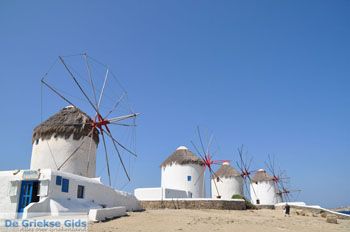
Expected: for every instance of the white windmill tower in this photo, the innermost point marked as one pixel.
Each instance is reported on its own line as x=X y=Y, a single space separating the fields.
x=68 y=133
x=229 y=182
x=182 y=170
x=264 y=188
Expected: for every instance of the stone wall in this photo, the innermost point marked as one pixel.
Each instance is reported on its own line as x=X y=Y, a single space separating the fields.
x=194 y=204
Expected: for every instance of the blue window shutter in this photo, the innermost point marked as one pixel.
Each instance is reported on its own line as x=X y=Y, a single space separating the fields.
x=189 y=178
x=65 y=185
x=58 y=180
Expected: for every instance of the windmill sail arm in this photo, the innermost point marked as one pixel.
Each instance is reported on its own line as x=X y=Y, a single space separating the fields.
x=121 y=118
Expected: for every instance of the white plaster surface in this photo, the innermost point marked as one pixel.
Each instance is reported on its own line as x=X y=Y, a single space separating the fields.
x=159 y=193
x=52 y=153
x=265 y=191
x=175 y=177
x=106 y=213
x=227 y=187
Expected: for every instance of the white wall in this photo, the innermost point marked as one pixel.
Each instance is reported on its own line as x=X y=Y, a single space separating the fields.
x=8 y=204
x=175 y=177
x=95 y=192
x=156 y=194
x=227 y=187
x=52 y=153
x=149 y=194
x=265 y=191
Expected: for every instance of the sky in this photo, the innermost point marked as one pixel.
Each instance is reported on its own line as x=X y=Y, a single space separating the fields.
x=272 y=75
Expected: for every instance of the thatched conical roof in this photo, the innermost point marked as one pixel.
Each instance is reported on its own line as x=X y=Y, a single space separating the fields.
x=261 y=175
x=182 y=156
x=67 y=122
x=226 y=171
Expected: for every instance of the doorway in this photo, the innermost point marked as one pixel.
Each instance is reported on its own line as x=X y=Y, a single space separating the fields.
x=29 y=194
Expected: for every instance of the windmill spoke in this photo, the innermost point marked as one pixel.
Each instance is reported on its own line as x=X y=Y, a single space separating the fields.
x=109 y=134
x=91 y=81
x=121 y=118
x=116 y=105
x=250 y=180
x=79 y=86
x=200 y=139
x=57 y=93
x=89 y=153
x=120 y=159
x=209 y=144
x=74 y=152
x=214 y=175
x=201 y=175
x=123 y=124
x=103 y=88
x=107 y=159
x=199 y=153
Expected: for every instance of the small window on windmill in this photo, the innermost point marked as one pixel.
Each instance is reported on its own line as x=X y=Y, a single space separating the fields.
x=189 y=178
x=217 y=179
x=36 y=141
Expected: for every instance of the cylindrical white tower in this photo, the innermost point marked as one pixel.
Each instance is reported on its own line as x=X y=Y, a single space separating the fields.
x=263 y=190
x=228 y=182
x=184 y=171
x=67 y=142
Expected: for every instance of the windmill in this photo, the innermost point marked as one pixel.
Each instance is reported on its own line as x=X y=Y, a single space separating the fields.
x=102 y=98
x=205 y=154
x=280 y=179
x=244 y=166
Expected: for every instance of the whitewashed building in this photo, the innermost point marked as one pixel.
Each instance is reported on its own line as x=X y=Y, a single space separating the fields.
x=226 y=182
x=181 y=177
x=62 y=175
x=263 y=190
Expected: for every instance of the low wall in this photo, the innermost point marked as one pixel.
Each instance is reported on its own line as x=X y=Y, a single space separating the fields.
x=317 y=210
x=195 y=204
x=265 y=206
x=158 y=194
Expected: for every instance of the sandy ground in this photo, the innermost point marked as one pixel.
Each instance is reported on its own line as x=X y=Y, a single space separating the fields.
x=218 y=220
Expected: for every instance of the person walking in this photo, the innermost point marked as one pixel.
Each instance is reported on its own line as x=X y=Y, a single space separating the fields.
x=287 y=210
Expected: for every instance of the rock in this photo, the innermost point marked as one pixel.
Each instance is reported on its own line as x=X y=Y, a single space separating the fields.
x=300 y=212
x=324 y=215
x=332 y=219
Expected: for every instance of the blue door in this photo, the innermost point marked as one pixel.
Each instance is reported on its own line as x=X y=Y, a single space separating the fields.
x=27 y=194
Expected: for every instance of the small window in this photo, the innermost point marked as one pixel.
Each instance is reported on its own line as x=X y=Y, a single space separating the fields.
x=59 y=180
x=217 y=179
x=81 y=190
x=65 y=185
x=36 y=142
x=189 y=178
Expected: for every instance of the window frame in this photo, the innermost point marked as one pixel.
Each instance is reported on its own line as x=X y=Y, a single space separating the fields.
x=81 y=193
x=65 y=185
x=59 y=180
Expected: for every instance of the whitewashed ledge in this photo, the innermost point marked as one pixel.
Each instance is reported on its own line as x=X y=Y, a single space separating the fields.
x=97 y=215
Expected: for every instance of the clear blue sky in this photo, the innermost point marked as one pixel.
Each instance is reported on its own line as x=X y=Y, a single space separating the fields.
x=273 y=75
